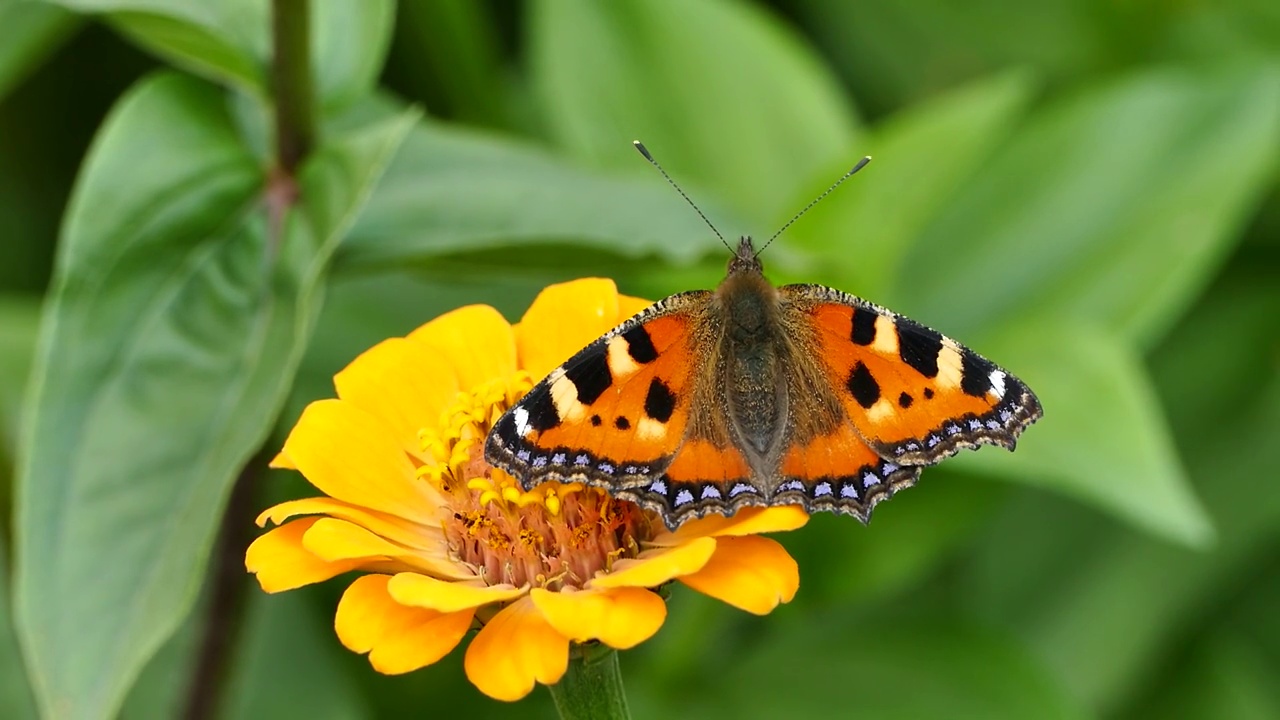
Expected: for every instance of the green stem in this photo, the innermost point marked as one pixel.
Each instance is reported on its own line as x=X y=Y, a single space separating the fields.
x=591 y=688
x=291 y=83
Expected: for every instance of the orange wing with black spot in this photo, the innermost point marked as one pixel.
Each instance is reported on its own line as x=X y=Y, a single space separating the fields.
x=615 y=414
x=914 y=395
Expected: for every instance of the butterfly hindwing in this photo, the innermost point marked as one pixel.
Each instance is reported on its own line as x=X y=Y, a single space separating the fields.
x=839 y=472
x=914 y=395
x=704 y=478
x=614 y=415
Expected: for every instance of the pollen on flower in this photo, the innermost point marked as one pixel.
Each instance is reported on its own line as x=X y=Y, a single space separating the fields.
x=555 y=535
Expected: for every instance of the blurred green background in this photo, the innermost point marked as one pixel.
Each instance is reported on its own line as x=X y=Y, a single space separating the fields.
x=1084 y=190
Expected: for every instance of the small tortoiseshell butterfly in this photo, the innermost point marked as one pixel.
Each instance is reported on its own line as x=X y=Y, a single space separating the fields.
x=752 y=394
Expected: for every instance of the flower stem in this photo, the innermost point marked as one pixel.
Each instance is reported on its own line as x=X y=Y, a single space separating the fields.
x=291 y=85
x=592 y=686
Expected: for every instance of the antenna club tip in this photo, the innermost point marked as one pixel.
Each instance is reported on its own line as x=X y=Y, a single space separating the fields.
x=643 y=150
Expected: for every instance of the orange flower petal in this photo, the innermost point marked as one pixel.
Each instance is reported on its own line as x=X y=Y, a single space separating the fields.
x=620 y=617
x=398 y=638
x=515 y=649
x=281 y=563
x=333 y=540
x=427 y=592
x=752 y=573
x=562 y=320
x=476 y=341
x=747 y=521
x=349 y=455
x=654 y=567
x=401 y=383
x=628 y=306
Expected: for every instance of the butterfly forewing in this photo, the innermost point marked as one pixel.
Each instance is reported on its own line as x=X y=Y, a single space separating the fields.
x=914 y=395
x=609 y=416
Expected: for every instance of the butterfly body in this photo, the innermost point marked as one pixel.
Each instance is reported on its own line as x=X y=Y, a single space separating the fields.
x=753 y=394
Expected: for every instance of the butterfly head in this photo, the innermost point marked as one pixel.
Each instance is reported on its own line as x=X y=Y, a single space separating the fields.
x=745 y=260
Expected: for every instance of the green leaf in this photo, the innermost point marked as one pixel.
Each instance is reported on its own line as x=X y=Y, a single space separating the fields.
x=922 y=157
x=1072 y=585
x=228 y=41
x=19 y=320
x=1103 y=437
x=452 y=190
x=881 y=670
x=722 y=93
x=29 y=33
x=16 y=702
x=182 y=303
x=1116 y=206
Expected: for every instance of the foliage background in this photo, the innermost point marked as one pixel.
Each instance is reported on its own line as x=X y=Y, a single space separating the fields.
x=1084 y=190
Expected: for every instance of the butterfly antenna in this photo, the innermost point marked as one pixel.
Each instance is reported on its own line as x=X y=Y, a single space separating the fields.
x=645 y=152
x=861 y=164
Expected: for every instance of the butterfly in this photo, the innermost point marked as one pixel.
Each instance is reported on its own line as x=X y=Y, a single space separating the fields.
x=751 y=395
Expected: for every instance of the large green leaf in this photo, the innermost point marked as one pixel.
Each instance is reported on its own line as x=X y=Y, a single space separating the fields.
x=229 y=40
x=19 y=318
x=452 y=190
x=16 y=702
x=1103 y=438
x=858 y=235
x=1101 y=604
x=720 y=92
x=183 y=299
x=1116 y=206
x=29 y=32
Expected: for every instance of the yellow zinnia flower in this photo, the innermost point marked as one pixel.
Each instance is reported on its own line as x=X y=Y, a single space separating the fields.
x=448 y=543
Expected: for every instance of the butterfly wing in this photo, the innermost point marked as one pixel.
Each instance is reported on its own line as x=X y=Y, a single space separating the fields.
x=914 y=395
x=615 y=414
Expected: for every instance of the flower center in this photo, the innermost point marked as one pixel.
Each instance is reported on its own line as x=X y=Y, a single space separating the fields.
x=556 y=535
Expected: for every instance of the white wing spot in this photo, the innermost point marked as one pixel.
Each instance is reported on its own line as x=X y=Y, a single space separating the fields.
x=684 y=497
x=997 y=383
x=710 y=491
x=823 y=488
x=659 y=487
x=521 y=416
